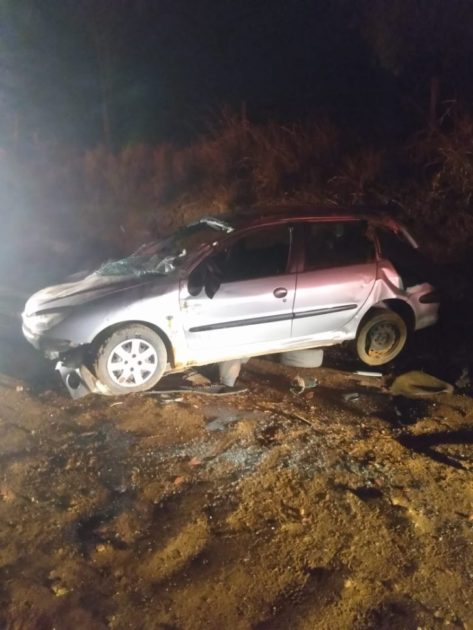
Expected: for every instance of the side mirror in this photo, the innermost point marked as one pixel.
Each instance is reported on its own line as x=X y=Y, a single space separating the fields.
x=195 y=282
x=208 y=276
x=213 y=277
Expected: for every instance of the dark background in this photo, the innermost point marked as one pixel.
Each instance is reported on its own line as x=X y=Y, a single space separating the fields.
x=125 y=71
x=123 y=119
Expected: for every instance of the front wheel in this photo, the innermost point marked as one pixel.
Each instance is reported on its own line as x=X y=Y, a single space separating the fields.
x=381 y=337
x=131 y=359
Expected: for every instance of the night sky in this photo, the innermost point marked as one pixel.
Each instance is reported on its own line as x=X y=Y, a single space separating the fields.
x=167 y=68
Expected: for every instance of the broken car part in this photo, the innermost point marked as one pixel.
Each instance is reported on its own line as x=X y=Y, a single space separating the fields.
x=351 y=396
x=312 y=358
x=229 y=371
x=299 y=384
x=372 y=374
x=418 y=384
x=79 y=380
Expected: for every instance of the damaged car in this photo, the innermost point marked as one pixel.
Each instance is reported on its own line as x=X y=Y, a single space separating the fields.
x=216 y=291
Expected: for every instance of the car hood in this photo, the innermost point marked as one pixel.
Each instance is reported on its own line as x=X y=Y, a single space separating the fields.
x=88 y=289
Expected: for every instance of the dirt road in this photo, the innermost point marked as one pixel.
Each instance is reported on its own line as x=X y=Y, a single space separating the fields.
x=261 y=510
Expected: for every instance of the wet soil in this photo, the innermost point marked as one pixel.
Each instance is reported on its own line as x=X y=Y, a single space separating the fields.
x=260 y=510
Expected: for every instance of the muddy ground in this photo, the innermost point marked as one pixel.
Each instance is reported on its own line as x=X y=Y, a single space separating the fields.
x=259 y=510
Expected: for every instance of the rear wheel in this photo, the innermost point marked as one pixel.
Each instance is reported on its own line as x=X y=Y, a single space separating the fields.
x=131 y=359
x=381 y=337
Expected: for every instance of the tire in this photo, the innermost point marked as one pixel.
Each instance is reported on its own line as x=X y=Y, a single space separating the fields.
x=131 y=359
x=381 y=337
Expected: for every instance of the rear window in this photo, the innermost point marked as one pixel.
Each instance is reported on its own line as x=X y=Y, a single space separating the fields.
x=337 y=244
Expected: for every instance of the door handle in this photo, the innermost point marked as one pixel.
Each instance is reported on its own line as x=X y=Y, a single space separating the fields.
x=280 y=292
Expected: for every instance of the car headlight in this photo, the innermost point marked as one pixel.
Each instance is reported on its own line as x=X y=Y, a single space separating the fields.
x=42 y=321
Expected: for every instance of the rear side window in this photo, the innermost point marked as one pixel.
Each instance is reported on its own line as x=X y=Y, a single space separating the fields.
x=337 y=244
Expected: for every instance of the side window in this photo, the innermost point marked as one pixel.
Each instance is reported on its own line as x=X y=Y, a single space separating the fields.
x=337 y=244
x=260 y=254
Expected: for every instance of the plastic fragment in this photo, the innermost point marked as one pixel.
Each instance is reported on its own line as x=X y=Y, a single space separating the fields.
x=374 y=374
x=299 y=384
x=418 y=384
x=464 y=380
x=349 y=396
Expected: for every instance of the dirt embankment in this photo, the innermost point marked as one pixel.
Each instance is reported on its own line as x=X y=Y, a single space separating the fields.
x=262 y=510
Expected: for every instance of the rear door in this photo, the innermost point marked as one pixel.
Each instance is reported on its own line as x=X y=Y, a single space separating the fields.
x=245 y=305
x=338 y=272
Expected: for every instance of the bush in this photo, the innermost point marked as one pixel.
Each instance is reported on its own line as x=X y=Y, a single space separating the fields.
x=110 y=202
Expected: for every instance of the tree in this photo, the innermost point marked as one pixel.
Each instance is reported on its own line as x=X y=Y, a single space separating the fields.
x=106 y=22
x=423 y=41
x=44 y=71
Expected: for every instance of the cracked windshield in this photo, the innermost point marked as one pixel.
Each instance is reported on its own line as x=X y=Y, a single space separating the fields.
x=162 y=257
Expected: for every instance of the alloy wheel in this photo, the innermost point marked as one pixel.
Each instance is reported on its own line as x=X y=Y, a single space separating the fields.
x=132 y=362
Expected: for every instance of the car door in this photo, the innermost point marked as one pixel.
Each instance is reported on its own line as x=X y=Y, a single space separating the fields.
x=338 y=274
x=239 y=300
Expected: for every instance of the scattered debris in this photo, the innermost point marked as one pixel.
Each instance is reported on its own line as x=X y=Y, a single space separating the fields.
x=221 y=417
x=196 y=379
x=219 y=423
x=418 y=384
x=409 y=411
x=216 y=389
x=464 y=380
x=373 y=374
x=297 y=416
x=79 y=380
x=59 y=590
x=290 y=415
x=195 y=461
x=229 y=371
x=299 y=384
x=166 y=399
x=351 y=396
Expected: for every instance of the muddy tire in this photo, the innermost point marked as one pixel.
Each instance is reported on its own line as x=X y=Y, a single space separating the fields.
x=131 y=359
x=381 y=336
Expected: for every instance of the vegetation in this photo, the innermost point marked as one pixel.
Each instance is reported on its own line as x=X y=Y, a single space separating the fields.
x=121 y=198
x=102 y=106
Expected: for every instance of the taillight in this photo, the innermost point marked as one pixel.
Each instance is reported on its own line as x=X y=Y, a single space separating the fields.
x=432 y=297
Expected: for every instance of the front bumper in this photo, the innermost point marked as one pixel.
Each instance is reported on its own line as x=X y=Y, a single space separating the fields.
x=50 y=347
x=78 y=379
x=31 y=337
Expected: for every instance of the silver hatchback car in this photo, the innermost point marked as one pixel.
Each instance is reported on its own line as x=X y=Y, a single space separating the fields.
x=216 y=291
